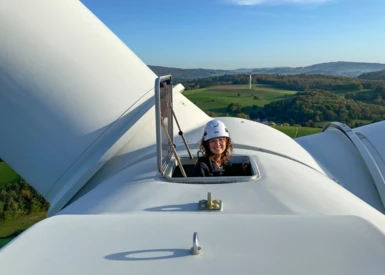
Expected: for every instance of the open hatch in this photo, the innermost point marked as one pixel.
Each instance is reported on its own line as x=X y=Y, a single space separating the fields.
x=172 y=166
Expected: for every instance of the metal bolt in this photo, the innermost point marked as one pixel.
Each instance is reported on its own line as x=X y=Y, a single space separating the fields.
x=209 y=198
x=196 y=249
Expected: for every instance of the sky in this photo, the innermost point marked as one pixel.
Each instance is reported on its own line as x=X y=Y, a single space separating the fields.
x=233 y=34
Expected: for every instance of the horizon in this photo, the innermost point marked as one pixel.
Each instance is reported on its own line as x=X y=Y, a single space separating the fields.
x=253 y=68
x=231 y=34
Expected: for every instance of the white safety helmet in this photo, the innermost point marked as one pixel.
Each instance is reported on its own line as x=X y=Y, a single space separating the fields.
x=215 y=128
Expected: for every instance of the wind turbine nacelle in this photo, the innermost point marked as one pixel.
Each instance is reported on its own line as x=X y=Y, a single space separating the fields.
x=352 y=157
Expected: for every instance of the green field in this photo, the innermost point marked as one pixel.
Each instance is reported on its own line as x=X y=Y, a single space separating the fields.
x=216 y=99
x=296 y=132
x=19 y=224
x=10 y=228
x=362 y=121
x=4 y=241
x=7 y=175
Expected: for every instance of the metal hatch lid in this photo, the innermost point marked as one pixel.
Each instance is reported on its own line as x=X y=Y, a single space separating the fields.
x=164 y=121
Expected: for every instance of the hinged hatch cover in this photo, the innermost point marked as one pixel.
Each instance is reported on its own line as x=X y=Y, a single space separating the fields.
x=164 y=120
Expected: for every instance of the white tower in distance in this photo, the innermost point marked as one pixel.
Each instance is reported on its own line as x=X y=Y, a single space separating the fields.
x=250 y=81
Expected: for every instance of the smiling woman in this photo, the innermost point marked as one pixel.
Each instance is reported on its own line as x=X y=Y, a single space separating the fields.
x=217 y=148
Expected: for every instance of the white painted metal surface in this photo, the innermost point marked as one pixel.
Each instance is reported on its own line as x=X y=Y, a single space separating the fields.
x=341 y=151
x=376 y=172
x=375 y=133
x=372 y=138
x=126 y=218
x=251 y=244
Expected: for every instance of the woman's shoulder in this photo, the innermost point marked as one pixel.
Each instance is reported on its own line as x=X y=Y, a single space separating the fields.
x=202 y=161
x=201 y=168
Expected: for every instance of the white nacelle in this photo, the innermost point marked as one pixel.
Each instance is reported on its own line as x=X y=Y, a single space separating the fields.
x=353 y=157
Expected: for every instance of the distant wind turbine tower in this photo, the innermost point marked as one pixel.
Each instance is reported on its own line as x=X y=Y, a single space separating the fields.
x=250 y=81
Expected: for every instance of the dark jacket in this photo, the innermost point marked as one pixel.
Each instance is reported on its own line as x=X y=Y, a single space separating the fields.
x=207 y=168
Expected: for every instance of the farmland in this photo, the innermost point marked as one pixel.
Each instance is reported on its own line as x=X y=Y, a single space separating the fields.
x=296 y=132
x=216 y=99
x=10 y=228
x=7 y=174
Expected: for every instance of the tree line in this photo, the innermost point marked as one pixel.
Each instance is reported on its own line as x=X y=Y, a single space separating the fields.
x=20 y=199
x=302 y=82
x=374 y=96
x=310 y=107
x=377 y=75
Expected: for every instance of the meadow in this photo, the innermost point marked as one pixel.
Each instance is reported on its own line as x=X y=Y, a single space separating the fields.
x=4 y=241
x=7 y=174
x=10 y=228
x=295 y=132
x=216 y=99
x=361 y=121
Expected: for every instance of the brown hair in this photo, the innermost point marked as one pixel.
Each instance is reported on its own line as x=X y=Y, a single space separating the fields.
x=205 y=148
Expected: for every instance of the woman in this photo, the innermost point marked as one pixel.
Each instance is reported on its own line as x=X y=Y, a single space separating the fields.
x=217 y=148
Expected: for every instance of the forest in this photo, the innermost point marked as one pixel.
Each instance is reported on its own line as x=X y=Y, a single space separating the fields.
x=377 y=75
x=319 y=98
x=307 y=108
x=302 y=82
x=20 y=199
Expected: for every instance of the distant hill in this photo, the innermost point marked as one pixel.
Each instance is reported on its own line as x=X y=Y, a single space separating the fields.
x=378 y=75
x=351 y=69
x=340 y=68
x=187 y=74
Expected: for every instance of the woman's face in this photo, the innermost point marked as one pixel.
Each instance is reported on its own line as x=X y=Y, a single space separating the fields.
x=218 y=145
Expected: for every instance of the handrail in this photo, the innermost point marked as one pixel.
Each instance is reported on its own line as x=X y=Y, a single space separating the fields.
x=181 y=133
x=174 y=151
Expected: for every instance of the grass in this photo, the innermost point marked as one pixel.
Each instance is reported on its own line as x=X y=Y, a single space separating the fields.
x=19 y=224
x=216 y=99
x=295 y=132
x=5 y=241
x=7 y=175
x=362 y=121
x=305 y=131
x=321 y=123
x=288 y=130
x=11 y=228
